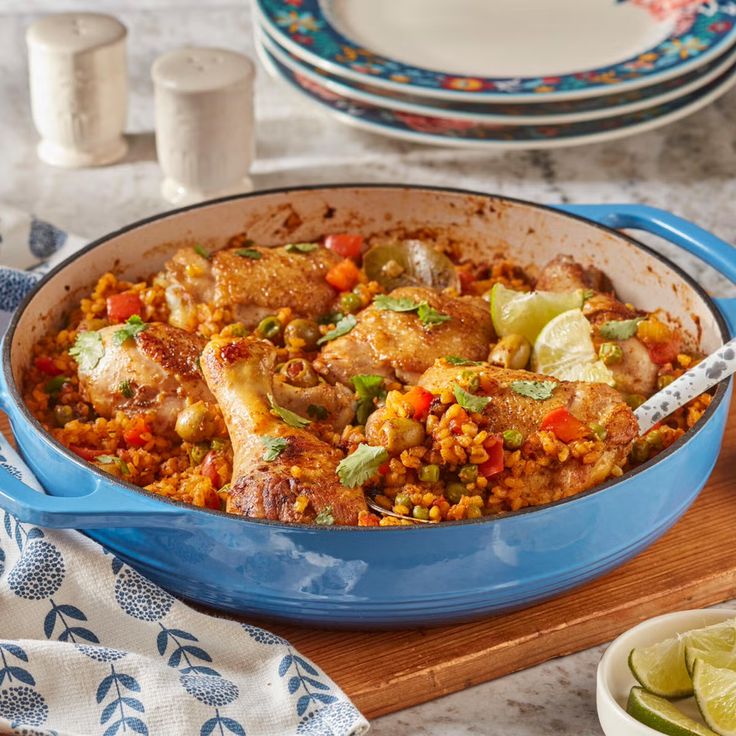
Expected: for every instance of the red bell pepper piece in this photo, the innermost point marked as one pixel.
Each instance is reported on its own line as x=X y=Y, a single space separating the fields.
x=133 y=435
x=343 y=276
x=121 y=307
x=420 y=400
x=86 y=453
x=494 y=447
x=208 y=469
x=345 y=244
x=565 y=426
x=46 y=365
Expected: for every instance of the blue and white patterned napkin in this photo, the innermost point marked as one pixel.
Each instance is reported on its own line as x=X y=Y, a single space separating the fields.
x=89 y=646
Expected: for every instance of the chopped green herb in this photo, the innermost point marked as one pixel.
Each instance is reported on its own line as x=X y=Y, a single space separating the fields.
x=131 y=328
x=455 y=360
x=200 y=250
x=470 y=402
x=588 y=294
x=539 y=390
x=114 y=460
x=274 y=447
x=87 y=350
x=430 y=316
x=249 y=253
x=362 y=465
x=619 y=329
x=293 y=420
x=126 y=389
x=368 y=388
x=53 y=386
x=325 y=517
x=341 y=328
x=404 y=304
x=315 y=411
x=301 y=247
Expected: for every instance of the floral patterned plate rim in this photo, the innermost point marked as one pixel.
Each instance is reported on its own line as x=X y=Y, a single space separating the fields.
x=509 y=113
x=699 y=31
x=462 y=133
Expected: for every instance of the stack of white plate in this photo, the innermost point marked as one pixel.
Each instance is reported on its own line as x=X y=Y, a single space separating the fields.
x=502 y=73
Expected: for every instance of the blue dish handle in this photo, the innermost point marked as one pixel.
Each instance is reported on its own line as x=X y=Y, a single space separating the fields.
x=687 y=235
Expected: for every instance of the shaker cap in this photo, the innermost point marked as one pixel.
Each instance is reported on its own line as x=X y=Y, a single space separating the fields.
x=192 y=70
x=75 y=32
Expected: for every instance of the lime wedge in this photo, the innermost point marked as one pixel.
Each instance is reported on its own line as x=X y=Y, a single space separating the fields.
x=526 y=313
x=724 y=657
x=661 y=669
x=661 y=715
x=564 y=349
x=715 y=694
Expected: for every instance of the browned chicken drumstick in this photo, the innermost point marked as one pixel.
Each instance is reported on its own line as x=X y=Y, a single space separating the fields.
x=280 y=471
x=253 y=282
x=399 y=344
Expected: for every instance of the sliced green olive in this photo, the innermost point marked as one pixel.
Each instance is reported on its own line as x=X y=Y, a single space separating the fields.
x=410 y=263
x=299 y=372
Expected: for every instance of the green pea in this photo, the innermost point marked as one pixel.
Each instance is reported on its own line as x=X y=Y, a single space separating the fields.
x=513 y=439
x=468 y=473
x=239 y=330
x=665 y=380
x=350 y=303
x=419 y=512
x=654 y=439
x=610 y=353
x=269 y=328
x=63 y=414
x=599 y=431
x=455 y=491
x=429 y=473
x=403 y=499
x=640 y=451
x=634 y=400
x=218 y=444
x=198 y=452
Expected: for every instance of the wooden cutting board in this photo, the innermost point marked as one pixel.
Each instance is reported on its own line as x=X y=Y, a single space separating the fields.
x=692 y=566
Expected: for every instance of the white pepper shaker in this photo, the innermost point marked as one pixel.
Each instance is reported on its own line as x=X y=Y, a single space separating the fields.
x=79 y=88
x=204 y=123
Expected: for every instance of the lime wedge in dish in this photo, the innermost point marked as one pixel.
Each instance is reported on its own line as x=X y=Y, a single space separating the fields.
x=661 y=715
x=564 y=349
x=527 y=312
x=715 y=694
x=660 y=668
x=724 y=658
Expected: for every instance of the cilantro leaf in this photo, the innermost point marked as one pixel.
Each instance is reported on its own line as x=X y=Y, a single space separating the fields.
x=468 y=401
x=293 y=420
x=301 y=247
x=619 y=329
x=430 y=316
x=87 y=350
x=368 y=388
x=126 y=389
x=114 y=460
x=317 y=411
x=341 y=328
x=249 y=253
x=362 y=465
x=456 y=360
x=403 y=304
x=131 y=328
x=325 y=517
x=539 y=390
x=200 y=250
x=274 y=447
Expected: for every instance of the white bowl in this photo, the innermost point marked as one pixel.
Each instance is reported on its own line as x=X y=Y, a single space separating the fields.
x=614 y=679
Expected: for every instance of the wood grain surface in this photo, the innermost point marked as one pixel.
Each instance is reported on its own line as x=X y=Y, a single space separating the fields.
x=693 y=565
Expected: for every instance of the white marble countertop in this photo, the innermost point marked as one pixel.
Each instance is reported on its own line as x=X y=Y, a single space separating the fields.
x=688 y=167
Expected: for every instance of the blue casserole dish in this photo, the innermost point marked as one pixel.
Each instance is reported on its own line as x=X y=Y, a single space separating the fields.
x=378 y=577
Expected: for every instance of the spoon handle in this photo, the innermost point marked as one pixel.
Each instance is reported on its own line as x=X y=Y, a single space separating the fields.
x=716 y=367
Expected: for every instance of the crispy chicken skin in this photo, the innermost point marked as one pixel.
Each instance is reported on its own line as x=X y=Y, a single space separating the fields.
x=252 y=287
x=160 y=366
x=239 y=374
x=636 y=373
x=588 y=402
x=398 y=345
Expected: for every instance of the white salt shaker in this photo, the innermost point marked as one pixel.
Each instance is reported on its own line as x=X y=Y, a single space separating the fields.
x=204 y=123
x=79 y=88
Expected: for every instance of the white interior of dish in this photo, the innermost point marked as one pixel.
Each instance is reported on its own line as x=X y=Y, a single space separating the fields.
x=500 y=38
x=484 y=226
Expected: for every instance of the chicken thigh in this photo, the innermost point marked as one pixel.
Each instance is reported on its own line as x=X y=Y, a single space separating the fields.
x=297 y=481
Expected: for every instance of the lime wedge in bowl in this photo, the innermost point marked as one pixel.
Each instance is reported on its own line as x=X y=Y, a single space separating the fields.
x=724 y=657
x=660 y=668
x=526 y=313
x=661 y=715
x=564 y=349
x=715 y=694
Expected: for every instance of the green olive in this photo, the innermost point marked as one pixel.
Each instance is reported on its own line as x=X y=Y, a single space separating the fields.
x=512 y=351
x=193 y=423
x=419 y=512
x=299 y=372
x=395 y=434
x=269 y=328
x=303 y=330
x=410 y=263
